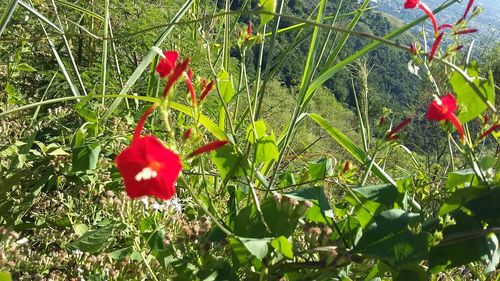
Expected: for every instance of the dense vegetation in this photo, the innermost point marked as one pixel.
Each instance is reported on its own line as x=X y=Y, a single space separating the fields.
x=323 y=141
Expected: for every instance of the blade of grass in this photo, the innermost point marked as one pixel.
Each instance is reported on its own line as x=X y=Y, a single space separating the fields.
x=7 y=15
x=352 y=148
x=34 y=11
x=73 y=88
x=79 y=9
x=306 y=78
x=68 y=48
x=148 y=57
x=104 y=65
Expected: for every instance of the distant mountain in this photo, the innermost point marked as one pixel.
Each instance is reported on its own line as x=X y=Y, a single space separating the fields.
x=488 y=22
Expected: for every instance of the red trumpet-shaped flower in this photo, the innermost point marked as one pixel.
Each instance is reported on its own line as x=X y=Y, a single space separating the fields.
x=147 y=166
x=412 y=4
x=167 y=63
x=444 y=109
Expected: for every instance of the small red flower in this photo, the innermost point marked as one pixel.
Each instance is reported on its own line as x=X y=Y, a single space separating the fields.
x=435 y=46
x=209 y=147
x=412 y=4
x=147 y=166
x=167 y=63
x=392 y=134
x=444 y=109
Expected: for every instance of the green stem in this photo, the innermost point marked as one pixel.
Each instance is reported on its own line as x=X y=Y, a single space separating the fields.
x=153 y=275
x=204 y=208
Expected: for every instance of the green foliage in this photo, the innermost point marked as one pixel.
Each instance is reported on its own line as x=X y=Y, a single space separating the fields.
x=310 y=185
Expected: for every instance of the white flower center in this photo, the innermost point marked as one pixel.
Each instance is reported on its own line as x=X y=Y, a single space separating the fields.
x=438 y=100
x=146 y=174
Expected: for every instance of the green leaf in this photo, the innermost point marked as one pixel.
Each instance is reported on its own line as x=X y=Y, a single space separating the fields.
x=121 y=253
x=458 y=178
x=92 y=241
x=85 y=157
x=493 y=257
x=471 y=104
x=226 y=86
x=260 y=129
x=248 y=223
x=388 y=237
x=227 y=162
x=25 y=67
x=320 y=212
x=352 y=148
x=463 y=251
x=320 y=169
x=282 y=245
x=88 y=115
x=267 y=6
x=486 y=206
x=411 y=273
x=80 y=229
x=266 y=149
x=385 y=193
x=256 y=247
x=5 y=276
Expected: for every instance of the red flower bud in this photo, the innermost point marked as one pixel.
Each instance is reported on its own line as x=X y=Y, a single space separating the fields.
x=249 y=31
x=179 y=69
x=435 y=46
x=465 y=31
x=187 y=133
x=489 y=131
x=206 y=90
x=347 y=166
x=209 y=147
x=392 y=134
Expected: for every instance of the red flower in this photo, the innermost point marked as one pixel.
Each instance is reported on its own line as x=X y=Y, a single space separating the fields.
x=147 y=166
x=209 y=147
x=444 y=109
x=412 y=4
x=435 y=46
x=392 y=134
x=167 y=63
